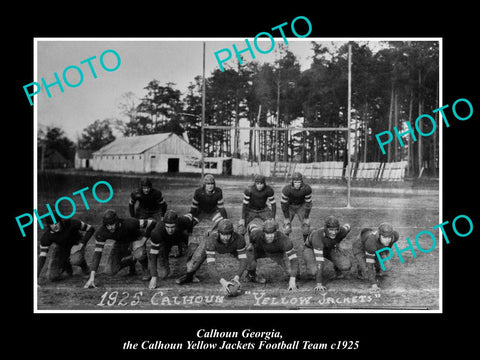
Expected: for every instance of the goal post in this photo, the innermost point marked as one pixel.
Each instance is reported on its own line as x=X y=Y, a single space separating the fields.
x=258 y=130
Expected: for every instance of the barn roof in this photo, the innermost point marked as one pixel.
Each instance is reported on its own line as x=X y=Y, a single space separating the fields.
x=133 y=145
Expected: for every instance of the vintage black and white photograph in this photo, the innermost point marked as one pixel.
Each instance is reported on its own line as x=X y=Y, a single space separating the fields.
x=267 y=174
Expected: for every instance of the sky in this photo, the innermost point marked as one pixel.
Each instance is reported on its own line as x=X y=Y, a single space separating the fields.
x=176 y=60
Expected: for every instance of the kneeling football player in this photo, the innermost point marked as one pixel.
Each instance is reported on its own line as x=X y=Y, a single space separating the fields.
x=223 y=240
x=365 y=247
x=174 y=230
x=268 y=241
x=68 y=247
x=130 y=237
x=325 y=244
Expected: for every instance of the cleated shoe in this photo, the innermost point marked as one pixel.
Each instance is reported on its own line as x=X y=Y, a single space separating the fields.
x=184 y=279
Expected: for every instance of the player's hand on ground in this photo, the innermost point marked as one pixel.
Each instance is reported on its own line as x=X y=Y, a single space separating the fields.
x=320 y=288
x=236 y=279
x=225 y=285
x=153 y=283
x=292 y=285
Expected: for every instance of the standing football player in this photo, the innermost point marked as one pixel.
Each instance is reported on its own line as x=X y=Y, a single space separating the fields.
x=130 y=237
x=151 y=204
x=365 y=247
x=174 y=230
x=325 y=244
x=267 y=241
x=296 y=200
x=258 y=203
x=223 y=240
x=207 y=202
x=68 y=247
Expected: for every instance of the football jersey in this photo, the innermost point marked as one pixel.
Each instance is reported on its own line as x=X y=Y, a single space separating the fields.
x=127 y=230
x=206 y=202
x=280 y=244
x=293 y=196
x=258 y=199
x=236 y=244
x=370 y=241
x=183 y=228
x=320 y=242
x=68 y=235
x=153 y=201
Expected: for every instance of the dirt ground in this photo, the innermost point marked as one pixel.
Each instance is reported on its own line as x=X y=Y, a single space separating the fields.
x=412 y=285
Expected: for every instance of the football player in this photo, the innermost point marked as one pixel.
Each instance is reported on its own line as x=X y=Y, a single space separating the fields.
x=364 y=249
x=68 y=247
x=296 y=199
x=267 y=241
x=130 y=237
x=223 y=240
x=151 y=204
x=258 y=202
x=174 y=230
x=325 y=244
x=207 y=202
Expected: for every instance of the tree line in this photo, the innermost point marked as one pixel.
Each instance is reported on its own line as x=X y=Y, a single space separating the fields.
x=391 y=85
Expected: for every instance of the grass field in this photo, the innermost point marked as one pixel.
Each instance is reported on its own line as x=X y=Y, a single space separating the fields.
x=410 y=207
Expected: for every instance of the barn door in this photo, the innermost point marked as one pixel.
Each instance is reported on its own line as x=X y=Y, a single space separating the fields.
x=154 y=164
x=173 y=164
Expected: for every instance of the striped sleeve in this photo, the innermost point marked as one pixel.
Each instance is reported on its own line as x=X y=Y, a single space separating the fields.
x=291 y=254
x=220 y=199
x=285 y=197
x=99 y=245
x=195 y=201
x=369 y=258
x=271 y=196
x=210 y=256
x=318 y=255
x=271 y=199
x=308 y=198
x=43 y=250
x=246 y=197
x=154 y=249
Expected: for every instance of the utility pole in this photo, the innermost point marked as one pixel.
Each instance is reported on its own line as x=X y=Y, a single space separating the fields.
x=203 y=115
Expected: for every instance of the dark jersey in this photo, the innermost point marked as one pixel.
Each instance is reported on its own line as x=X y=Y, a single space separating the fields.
x=183 y=228
x=149 y=203
x=236 y=245
x=128 y=230
x=370 y=243
x=322 y=245
x=68 y=235
x=258 y=200
x=292 y=196
x=206 y=202
x=280 y=244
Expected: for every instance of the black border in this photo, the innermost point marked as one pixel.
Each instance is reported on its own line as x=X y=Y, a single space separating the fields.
x=379 y=334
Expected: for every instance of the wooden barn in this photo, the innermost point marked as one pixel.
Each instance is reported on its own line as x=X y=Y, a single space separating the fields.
x=165 y=152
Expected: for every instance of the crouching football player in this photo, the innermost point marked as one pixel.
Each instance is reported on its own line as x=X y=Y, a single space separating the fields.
x=258 y=203
x=325 y=244
x=174 y=230
x=223 y=240
x=130 y=237
x=297 y=200
x=365 y=247
x=267 y=241
x=68 y=247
